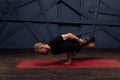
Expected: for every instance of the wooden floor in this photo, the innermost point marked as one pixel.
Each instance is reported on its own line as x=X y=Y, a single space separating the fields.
x=9 y=59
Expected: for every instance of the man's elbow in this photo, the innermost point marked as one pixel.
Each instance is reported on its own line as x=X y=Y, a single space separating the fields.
x=70 y=33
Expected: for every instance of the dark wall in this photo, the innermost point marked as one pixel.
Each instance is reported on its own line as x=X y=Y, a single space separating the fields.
x=24 y=22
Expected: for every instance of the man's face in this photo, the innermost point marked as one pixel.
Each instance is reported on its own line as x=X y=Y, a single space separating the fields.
x=42 y=50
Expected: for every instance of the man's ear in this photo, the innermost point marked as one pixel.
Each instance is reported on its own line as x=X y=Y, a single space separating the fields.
x=91 y=44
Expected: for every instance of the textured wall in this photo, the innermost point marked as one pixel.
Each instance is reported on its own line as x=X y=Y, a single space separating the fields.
x=24 y=22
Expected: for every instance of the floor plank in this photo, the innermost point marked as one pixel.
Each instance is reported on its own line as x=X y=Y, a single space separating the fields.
x=9 y=59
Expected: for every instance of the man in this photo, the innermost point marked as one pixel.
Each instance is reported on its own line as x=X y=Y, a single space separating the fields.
x=65 y=43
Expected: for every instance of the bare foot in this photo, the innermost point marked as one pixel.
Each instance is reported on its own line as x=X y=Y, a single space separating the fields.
x=67 y=63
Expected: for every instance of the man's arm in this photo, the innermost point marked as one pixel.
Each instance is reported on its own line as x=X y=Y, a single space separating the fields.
x=71 y=36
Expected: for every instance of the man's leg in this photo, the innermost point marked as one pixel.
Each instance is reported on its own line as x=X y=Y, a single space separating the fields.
x=73 y=53
x=69 y=59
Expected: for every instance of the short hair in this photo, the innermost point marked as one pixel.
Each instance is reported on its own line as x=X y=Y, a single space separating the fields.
x=38 y=44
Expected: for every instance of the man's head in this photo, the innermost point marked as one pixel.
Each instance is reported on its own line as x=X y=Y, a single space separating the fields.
x=41 y=48
x=88 y=41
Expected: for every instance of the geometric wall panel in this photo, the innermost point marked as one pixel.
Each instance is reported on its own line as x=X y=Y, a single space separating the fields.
x=24 y=22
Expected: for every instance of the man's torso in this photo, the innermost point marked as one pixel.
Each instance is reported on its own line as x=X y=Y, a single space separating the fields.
x=58 y=45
